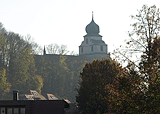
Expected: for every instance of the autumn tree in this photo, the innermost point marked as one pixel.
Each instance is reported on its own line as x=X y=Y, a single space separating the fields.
x=35 y=48
x=17 y=62
x=58 y=49
x=2 y=51
x=127 y=92
x=3 y=46
x=136 y=90
x=24 y=73
x=146 y=26
x=4 y=85
x=95 y=76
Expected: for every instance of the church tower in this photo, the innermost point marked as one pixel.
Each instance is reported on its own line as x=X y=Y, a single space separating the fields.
x=93 y=47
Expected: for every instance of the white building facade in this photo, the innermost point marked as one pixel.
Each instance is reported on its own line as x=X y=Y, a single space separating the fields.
x=93 y=47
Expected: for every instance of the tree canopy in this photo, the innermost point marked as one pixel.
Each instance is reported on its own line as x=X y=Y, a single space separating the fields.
x=92 y=93
x=17 y=67
x=136 y=90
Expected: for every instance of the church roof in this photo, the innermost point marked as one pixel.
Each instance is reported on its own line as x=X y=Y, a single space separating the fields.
x=92 y=29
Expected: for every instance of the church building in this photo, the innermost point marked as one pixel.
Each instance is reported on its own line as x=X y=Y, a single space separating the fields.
x=93 y=47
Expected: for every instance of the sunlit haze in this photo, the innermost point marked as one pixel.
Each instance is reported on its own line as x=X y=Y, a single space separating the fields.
x=64 y=21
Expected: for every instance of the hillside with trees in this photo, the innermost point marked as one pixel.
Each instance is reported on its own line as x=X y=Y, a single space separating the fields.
x=17 y=68
x=60 y=74
x=24 y=69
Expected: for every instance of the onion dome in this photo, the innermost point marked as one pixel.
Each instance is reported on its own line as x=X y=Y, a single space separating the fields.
x=92 y=29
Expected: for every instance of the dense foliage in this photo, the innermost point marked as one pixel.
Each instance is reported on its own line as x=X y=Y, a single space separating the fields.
x=136 y=90
x=92 y=95
x=60 y=74
x=17 y=68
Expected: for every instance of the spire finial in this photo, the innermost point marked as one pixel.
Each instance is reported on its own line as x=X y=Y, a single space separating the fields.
x=92 y=15
x=44 y=51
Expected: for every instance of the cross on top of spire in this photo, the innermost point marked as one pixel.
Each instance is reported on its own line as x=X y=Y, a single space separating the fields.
x=92 y=15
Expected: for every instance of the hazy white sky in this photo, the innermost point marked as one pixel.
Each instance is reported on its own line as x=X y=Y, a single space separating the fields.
x=64 y=21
